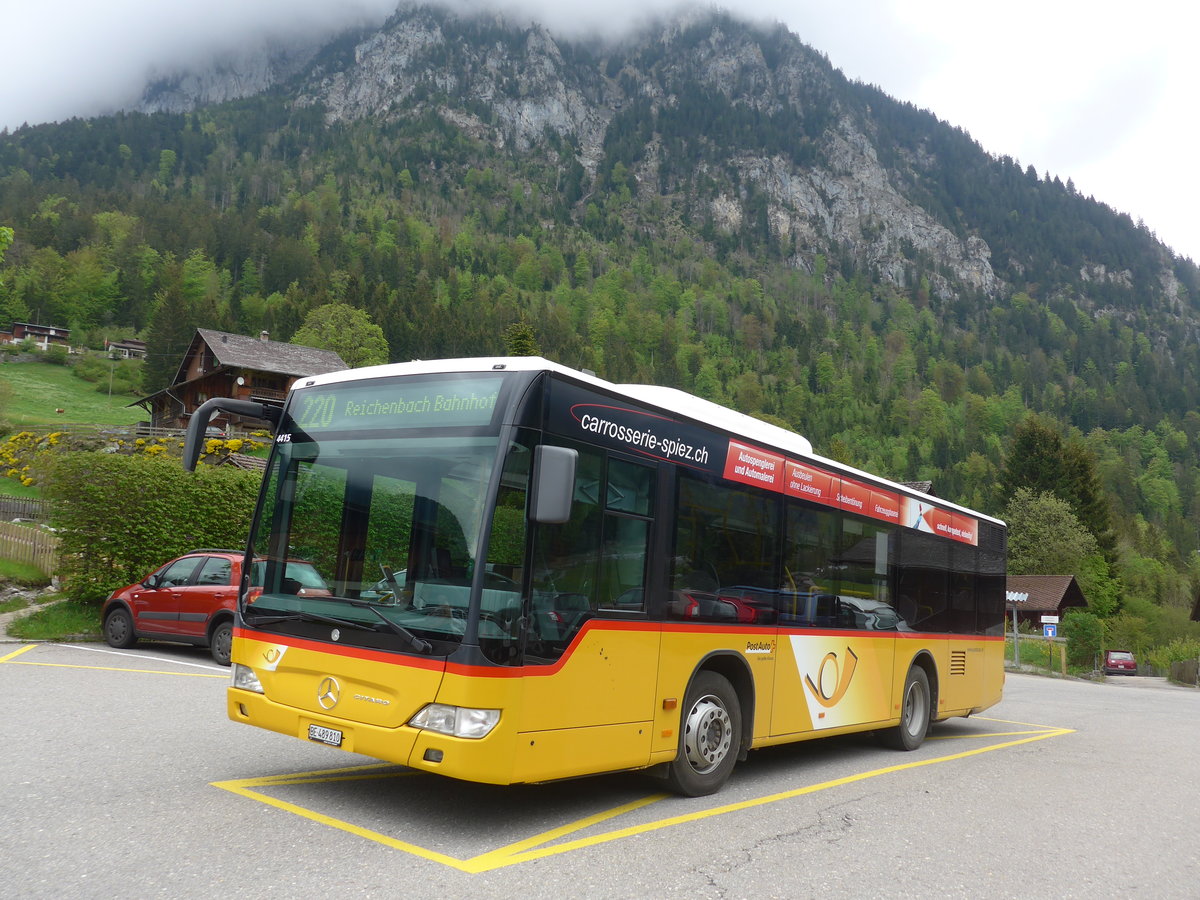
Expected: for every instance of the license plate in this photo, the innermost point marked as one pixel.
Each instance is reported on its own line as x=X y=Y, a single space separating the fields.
x=324 y=735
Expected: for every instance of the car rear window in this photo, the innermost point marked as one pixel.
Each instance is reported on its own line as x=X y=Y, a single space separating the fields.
x=1119 y=654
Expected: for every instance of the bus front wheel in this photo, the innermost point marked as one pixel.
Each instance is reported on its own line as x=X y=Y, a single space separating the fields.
x=710 y=731
x=915 y=713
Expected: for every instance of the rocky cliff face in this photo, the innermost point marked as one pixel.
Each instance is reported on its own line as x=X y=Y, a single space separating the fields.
x=514 y=86
x=231 y=76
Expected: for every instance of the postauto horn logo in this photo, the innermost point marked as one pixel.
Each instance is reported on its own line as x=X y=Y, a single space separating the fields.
x=833 y=678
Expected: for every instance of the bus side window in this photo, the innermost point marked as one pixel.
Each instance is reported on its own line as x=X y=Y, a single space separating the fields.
x=725 y=553
x=810 y=580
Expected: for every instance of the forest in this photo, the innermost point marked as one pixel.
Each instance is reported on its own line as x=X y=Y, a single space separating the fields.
x=247 y=216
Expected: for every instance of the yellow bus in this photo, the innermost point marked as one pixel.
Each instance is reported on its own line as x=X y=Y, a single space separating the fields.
x=533 y=574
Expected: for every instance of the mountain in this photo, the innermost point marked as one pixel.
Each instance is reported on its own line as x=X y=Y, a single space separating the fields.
x=706 y=204
x=829 y=164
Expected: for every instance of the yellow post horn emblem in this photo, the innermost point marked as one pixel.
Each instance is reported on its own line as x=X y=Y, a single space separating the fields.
x=842 y=676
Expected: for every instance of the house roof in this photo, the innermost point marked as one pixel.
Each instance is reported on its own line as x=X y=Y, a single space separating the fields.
x=1043 y=593
x=43 y=329
x=236 y=351
x=239 y=351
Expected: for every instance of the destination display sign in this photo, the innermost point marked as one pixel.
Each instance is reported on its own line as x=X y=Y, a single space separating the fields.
x=447 y=401
x=585 y=416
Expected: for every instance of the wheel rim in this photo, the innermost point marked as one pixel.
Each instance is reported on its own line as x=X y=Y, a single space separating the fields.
x=223 y=643
x=708 y=734
x=118 y=628
x=915 y=706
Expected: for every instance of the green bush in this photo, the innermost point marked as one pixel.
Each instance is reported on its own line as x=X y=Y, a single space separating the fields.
x=56 y=354
x=120 y=517
x=1085 y=635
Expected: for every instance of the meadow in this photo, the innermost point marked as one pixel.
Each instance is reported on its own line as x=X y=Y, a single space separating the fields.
x=33 y=392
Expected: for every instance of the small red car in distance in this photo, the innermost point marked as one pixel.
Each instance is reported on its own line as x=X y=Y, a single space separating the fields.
x=190 y=600
x=1119 y=662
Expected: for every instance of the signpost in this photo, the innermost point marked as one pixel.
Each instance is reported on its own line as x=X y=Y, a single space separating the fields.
x=1050 y=626
x=1049 y=631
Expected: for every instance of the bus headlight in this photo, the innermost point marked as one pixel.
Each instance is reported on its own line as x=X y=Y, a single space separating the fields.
x=243 y=677
x=457 y=721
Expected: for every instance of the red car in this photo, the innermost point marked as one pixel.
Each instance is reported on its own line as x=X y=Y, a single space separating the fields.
x=190 y=600
x=1119 y=662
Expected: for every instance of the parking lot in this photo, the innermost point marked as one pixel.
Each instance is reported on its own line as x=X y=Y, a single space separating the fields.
x=123 y=777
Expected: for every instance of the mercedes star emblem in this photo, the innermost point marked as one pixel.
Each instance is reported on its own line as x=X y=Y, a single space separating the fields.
x=328 y=692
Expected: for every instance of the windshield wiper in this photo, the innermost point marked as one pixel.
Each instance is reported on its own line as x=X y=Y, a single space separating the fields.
x=309 y=617
x=418 y=644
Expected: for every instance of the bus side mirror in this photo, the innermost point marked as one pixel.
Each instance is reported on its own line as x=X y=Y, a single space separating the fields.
x=198 y=424
x=553 y=484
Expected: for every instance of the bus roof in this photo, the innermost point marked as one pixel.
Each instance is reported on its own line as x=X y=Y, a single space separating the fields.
x=669 y=400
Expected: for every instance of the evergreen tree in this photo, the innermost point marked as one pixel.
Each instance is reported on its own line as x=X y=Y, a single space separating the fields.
x=172 y=326
x=519 y=340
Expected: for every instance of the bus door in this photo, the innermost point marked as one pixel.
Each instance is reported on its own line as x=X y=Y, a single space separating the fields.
x=590 y=655
x=838 y=625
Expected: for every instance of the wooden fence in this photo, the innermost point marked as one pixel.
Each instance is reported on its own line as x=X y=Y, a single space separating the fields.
x=24 y=508
x=1186 y=672
x=29 y=545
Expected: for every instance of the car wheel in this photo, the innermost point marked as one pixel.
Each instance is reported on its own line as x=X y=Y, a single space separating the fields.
x=915 y=713
x=710 y=730
x=118 y=629
x=221 y=645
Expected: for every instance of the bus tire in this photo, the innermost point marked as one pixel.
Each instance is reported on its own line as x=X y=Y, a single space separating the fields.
x=118 y=629
x=915 y=713
x=710 y=729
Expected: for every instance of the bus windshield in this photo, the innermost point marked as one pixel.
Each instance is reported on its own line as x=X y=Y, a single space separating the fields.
x=386 y=511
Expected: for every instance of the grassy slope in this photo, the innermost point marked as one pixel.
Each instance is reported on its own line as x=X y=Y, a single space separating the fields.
x=38 y=389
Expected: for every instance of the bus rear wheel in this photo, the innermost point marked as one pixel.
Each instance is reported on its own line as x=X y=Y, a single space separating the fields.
x=710 y=729
x=915 y=713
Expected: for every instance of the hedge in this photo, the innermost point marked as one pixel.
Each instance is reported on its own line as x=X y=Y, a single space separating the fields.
x=121 y=517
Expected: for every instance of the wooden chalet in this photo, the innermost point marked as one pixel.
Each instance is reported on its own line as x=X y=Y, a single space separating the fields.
x=126 y=349
x=45 y=336
x=1034 y=596
x=218 y=364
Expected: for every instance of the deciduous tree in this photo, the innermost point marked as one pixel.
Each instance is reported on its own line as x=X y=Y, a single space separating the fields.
x=347 y=331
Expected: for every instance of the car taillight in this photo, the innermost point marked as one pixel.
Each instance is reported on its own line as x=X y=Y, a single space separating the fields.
x=745 y=612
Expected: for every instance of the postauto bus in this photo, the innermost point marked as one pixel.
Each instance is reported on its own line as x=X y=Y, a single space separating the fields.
x=534 y=574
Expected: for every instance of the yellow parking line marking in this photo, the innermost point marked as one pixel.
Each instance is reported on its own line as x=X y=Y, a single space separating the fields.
x=330 y=776
x=11 y=659
x=535 y=846
x=22 y=662
x=17 y=652
x=1022 y=724
x=240 y=787
x=507 y=855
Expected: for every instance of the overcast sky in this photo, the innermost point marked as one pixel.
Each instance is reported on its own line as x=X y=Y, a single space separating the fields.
x=1098 y=92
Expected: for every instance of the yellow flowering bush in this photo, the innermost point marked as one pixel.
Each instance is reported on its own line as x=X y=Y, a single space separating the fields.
x=18 y=453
